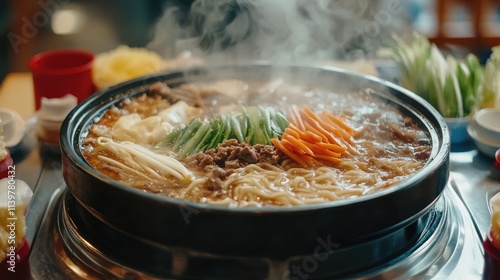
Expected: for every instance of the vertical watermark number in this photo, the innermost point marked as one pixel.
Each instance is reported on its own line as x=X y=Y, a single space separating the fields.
x=12 y=218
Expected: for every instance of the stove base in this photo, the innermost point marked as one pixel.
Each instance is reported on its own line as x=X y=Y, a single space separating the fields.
x=72 y=248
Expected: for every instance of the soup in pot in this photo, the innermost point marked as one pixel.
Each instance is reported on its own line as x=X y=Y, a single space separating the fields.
x=236 y=143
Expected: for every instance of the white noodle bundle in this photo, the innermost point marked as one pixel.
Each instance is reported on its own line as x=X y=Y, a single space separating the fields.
x=135 y=156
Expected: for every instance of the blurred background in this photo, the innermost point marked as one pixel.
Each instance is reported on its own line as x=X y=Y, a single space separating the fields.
x=28 y=27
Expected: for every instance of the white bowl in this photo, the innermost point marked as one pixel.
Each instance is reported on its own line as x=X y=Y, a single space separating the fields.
x=487 y=146
x=488 y=124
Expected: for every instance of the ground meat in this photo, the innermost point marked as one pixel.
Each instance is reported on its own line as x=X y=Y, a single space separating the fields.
x=174 y=95
x=215 y=177
x=199 y=160
x=213 y=184
x=232 y=155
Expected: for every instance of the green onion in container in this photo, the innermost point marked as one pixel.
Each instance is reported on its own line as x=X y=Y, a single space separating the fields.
x=456 y=88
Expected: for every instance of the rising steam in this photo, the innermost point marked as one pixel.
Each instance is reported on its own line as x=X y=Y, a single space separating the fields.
x=281 y=31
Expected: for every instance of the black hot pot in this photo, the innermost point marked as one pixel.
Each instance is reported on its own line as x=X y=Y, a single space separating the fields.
x=270 y=232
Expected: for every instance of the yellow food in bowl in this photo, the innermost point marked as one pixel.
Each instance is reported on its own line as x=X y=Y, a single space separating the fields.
x=124 y=63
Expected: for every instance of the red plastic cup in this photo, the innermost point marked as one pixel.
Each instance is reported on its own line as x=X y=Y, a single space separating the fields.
x=60 y=72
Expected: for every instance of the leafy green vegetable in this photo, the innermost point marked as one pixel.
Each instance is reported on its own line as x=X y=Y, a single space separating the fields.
x=187 y=134
x=205 y=140
x=236 y=128
x=256 y=120
x=194 y=141
x=454 y=87
x=255 y=125
x=171 y=137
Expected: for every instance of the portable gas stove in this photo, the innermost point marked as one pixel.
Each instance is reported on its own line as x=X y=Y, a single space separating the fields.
x=445 y=243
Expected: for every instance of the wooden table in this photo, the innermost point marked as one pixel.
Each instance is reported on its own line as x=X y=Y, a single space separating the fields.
x=16 y=93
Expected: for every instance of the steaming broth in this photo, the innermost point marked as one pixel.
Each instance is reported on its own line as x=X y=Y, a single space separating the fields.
x=386 y=147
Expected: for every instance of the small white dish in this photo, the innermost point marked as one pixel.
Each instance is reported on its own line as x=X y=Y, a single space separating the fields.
x=484 y=145
x=488 y=123
x=15 y=128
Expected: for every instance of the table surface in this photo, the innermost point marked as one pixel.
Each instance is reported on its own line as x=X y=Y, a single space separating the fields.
x=16 y=93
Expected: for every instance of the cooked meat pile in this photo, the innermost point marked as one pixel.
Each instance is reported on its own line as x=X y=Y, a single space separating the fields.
x=230 y=155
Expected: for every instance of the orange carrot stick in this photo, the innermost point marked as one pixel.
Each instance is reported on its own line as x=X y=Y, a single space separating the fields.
x=297 y=143
x=331 y=147
x=311 y=137
x=291 y=132
x=317 y=132
x=325 y=132
x=332 y=139
x=291 y=147
x=339 y=122
x=308 y=112
x=318 y=150
x=329 y=159
x=309 y=117
x=290 y=154
x=307 y=135
x=333 y=128
x=339 y=131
